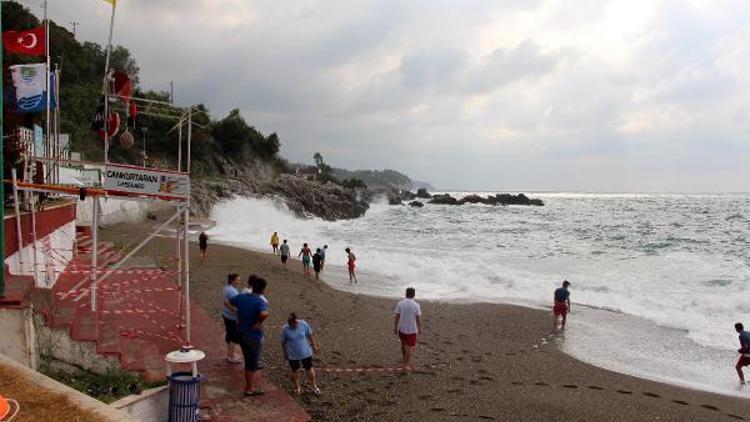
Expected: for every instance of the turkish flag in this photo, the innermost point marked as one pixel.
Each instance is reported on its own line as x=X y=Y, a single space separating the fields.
x=29 y=42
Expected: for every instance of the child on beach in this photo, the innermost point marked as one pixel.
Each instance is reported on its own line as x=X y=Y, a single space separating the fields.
x=350 y=258
x=317 y=261
x=284 y=250
x=296 y=338
x=562 y=304
x=744 y=351
x=231 y=289
x=275 y=242
x=407 y=324
x=306 y=254
x=203 y=244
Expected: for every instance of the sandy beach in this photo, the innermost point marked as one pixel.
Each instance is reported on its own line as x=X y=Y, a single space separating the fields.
x=473 y=362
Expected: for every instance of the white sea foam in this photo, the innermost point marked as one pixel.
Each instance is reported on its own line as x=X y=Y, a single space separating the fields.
x=679 y=261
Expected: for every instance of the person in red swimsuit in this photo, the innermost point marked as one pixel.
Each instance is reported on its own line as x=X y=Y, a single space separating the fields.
x=562 y=304
x=351 y=265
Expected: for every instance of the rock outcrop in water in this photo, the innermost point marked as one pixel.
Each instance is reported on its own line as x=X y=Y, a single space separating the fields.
x=306 y=198
x=499 y=199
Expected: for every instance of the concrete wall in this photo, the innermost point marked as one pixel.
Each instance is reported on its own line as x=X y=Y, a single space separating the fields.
x=53 y=253
x=17 y=340
x=149 y=406
x=103 y=412
x=114 y=211
x=58 y=345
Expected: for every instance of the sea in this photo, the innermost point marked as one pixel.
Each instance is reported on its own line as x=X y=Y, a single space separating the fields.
x=657 y=280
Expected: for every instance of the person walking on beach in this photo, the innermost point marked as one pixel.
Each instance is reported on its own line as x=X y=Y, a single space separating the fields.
x=252 y=310
x=744 y=350
x=350 y=258
x=323 y=255
x=296 y=340
x=284 y=250
x=407 y=324
x=306 y=254
x=203 y=244
x=562 y=304
x=275 y=242
x=317 y=261
x=231 y=289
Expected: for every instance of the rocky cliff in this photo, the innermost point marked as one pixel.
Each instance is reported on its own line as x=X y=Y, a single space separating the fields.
x=306 y=198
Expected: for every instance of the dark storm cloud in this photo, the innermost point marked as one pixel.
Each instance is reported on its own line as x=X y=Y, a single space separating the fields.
x=595 y=93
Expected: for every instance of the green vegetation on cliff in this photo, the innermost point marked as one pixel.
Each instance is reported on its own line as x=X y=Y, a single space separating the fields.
x=215 y=142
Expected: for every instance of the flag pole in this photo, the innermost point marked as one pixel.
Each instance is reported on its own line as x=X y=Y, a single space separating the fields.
x=49 y=87
x=106 y=82
x=2 y=185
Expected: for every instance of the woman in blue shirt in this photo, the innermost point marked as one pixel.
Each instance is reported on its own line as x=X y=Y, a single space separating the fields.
x=296 y=340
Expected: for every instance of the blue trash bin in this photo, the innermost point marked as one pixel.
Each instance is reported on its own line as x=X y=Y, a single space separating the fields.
x=184 y=396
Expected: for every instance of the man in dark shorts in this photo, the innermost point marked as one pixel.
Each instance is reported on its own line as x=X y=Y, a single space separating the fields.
x=284 y=250
x=744 y=350
x=407 y=324
x=252 y=310
x=229 y=315
x=203 y=244
x=317 y=261
x=562 y=304
x=296 y=338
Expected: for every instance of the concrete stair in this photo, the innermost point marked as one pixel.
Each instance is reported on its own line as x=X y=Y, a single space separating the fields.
x=118 y=327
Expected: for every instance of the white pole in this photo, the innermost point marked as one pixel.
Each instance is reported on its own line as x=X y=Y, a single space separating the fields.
x=189 y=138
x=94 y=250
x=179 y=145
x=33 y=239
x=106 y=85
x=178 y=233
x=19 y=234
x=186 y=261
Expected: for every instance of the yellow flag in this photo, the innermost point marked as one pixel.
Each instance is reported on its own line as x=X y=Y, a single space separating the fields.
x=112 y=2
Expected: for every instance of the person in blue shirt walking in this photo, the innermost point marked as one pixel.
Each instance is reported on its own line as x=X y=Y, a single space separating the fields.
x=252 y=310
x=296 y=338
x=231 y=289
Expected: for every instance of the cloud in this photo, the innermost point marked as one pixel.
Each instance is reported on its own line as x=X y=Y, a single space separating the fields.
x=481 y=94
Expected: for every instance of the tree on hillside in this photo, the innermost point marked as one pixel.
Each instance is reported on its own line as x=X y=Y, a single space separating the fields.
x=318 y=160
x=239 y=139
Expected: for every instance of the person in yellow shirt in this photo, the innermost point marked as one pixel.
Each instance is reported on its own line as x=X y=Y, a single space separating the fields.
x=275 y=242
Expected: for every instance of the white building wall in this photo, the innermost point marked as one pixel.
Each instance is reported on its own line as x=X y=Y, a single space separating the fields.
x=53 y=253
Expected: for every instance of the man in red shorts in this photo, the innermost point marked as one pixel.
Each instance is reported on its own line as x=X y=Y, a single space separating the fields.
x=562 y=304
x=744 y=350
x=407 y=324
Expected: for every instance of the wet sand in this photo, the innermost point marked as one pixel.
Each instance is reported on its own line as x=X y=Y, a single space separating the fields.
x=473 y=362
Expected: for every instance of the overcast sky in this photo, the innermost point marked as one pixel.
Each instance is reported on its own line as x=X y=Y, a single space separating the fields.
x=592 y=95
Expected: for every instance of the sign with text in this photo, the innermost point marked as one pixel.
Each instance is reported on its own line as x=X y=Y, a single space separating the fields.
x=146 y=181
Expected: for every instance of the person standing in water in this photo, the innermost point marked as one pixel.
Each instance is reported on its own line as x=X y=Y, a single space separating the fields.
x=296 y=338
x=284 y=250
x=306 y=254
x=744 y=351
x=323 y=256
x=562 y=304
x=317 y=261
x=407 y=324
x=275 y=242
x=350 y=258
x=203 y=244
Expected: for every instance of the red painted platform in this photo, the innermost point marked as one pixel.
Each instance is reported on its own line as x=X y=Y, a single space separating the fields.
x=138 y=321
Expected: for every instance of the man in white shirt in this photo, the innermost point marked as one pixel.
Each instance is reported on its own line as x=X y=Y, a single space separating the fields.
x=407 y=325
